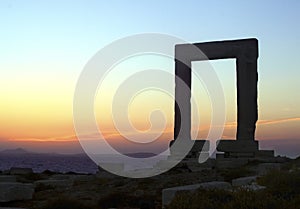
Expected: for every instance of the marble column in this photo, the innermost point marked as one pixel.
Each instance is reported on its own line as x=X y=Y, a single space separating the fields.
x=182 y=123
x=246 y=97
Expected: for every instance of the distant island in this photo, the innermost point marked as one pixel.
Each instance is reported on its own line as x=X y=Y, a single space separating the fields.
x=15 y=151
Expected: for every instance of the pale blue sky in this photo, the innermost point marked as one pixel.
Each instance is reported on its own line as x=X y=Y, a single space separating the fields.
x=67 y=26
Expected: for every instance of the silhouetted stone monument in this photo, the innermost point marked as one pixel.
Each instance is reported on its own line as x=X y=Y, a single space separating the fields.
x=245 y=52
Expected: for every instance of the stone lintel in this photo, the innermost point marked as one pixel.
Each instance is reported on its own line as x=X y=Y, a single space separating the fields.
x=218 y=50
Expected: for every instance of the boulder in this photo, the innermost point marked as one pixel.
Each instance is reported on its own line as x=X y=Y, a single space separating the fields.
x=7 y=178
x=222 y=162
x=54 y=183
x=169 y=193
x=11 y=208
x=59 y=177
x=83 y=178
x=5 y=172
x=73 y=177
x=244 y=181
x=105 y=175
x=20 y=171
x=195 y=166
x=15 y=191
x=253 y=187
x=216 y=185
x=264 y=168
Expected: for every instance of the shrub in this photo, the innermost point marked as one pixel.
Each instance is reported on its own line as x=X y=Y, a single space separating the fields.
x=117 y=199
x=125 y=200
x=283 y=191
x=66 y=203
x=283 y=184
x=220 y=199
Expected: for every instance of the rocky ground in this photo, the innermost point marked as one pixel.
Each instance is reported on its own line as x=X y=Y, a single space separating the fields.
x=24 y=189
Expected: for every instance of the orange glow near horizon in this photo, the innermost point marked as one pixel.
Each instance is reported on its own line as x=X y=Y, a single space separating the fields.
x=33 y=110
x=266 y=130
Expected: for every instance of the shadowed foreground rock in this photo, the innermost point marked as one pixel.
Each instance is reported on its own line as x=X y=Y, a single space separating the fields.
x=7 y=178
x=20 y=171
x=169 y=193
x=15 y=191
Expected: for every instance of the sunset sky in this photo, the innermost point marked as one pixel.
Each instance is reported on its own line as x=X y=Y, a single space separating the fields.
x=44 y=46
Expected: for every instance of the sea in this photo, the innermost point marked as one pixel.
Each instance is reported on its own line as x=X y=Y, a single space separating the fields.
x=76 y=163
x=79 y=163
